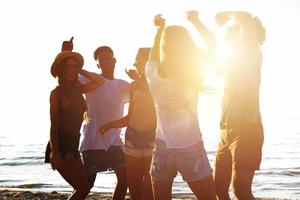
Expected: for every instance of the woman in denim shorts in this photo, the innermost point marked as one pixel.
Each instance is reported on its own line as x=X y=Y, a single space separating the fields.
x=140 y=132
x=174 y=77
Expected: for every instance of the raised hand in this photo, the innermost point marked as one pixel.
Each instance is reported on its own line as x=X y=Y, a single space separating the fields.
x=159 y=21
x=192 y=15
x=67 y=45
x=222 y=17
x=133 y=74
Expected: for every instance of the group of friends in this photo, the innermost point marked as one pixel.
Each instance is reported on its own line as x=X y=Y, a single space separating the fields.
x=162 y=134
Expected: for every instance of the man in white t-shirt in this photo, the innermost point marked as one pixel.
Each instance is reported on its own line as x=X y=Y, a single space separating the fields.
x=102 y=152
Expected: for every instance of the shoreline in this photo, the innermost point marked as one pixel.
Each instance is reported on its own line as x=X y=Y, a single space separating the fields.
x=24 y=194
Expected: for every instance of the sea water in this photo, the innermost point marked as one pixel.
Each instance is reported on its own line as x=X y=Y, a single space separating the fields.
x=22 y=157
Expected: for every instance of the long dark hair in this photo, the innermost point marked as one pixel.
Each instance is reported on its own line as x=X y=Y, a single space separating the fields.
x=62 y=81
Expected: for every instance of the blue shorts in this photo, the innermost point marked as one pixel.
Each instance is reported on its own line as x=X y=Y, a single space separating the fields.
x=139 y=144
x=192 y=162
x=103 y=160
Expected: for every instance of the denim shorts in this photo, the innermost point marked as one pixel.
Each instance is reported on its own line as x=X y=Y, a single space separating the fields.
x=103 y=160
x=139 y=144
x=192 y=162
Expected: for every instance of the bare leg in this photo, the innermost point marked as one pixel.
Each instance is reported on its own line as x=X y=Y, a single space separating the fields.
x=204 y=188
x=222 y=183
x=162 y=190
x=73 y=172
x=121 y=187
x=134 y=171
x=242 y=182
x=147 y=190
x=222 y=175
x=91 y=178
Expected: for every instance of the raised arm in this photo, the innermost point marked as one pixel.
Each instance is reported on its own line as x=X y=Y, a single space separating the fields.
x=159 y=22
x=95 y=79
x=208 y=36
x=251 y=27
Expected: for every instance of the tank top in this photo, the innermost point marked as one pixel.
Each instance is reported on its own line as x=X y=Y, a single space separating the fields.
x=70 y=118
x=143 y=116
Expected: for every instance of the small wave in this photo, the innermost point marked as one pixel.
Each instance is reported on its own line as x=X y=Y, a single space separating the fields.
x=29 y=158
x=7 y=145
x=291 y=173
x=23 y=160
x=27 y=186
x=8 y=180
x=12 y=164
x=35 y=185
x=280 y=172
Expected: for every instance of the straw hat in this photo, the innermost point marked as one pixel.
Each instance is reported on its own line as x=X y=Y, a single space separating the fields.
x=61 y=56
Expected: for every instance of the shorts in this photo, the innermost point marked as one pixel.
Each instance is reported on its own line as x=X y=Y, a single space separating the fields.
x=240 y=147
x=192 y=162
x=103 y=160
x=64 y=152
x=139 y=144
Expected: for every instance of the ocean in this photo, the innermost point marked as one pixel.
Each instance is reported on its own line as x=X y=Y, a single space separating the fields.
x=22 y=157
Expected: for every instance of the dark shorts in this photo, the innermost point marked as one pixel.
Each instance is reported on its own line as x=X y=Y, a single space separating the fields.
x=63 y=151
x=103 y=160
x=139 y=144
x=241 y=147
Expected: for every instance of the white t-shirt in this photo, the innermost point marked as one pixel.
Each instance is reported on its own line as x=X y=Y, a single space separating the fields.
x=105 y=104
x=176 y=109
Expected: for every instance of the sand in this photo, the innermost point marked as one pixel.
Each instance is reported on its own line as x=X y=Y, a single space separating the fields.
x=7 y=194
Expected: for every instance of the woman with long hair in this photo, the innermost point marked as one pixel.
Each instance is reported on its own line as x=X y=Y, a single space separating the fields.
x=174 y=74
x=140 y=132
x=67 y=108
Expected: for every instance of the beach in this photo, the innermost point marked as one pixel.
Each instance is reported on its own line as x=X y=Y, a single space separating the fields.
x=7 y=194
x=37 y=195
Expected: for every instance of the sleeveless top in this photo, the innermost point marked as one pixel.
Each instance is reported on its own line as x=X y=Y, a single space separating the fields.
x=70 y=118
x=143 y=116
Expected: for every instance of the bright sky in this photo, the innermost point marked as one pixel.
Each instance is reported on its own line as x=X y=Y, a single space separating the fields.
x=32 y=32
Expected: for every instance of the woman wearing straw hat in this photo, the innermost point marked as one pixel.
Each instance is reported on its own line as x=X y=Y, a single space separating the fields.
x=67 y=108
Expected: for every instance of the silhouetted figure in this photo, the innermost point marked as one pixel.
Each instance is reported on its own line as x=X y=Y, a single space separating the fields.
x=105 y=104
x=240 y=148
x=140 y=132
x=67 y=107
x=174 y=79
